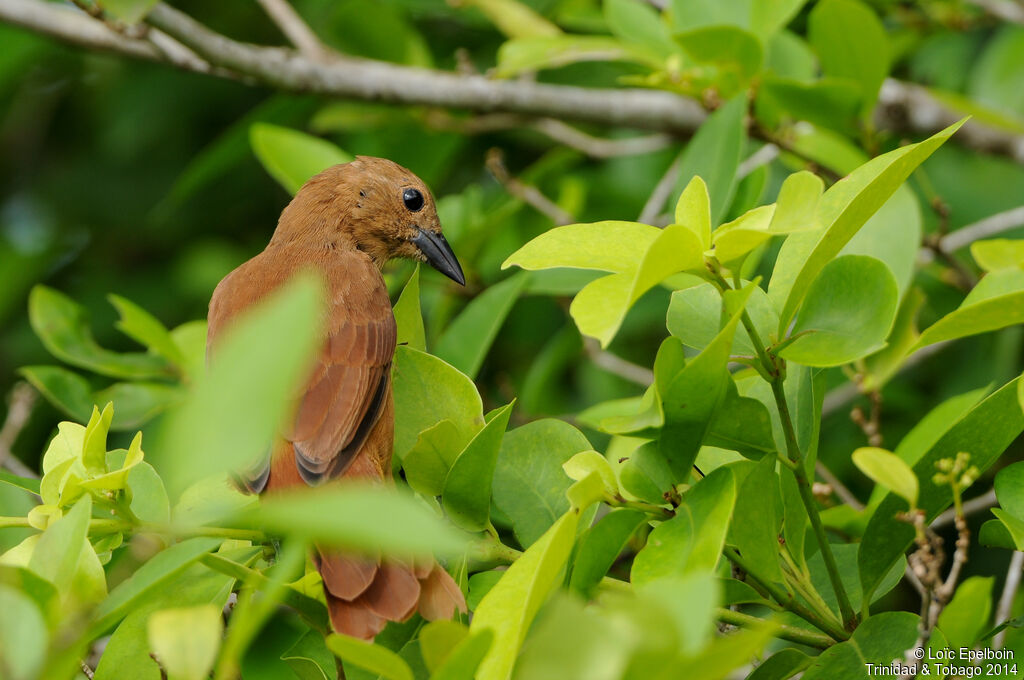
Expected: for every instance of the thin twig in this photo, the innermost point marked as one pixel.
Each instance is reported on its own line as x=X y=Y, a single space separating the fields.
x=556 y=130
x=1005 y=607
x=662 y=190
x=296 y=30
x=763 y=156
x=529 y=194
x=993 y=225
x=901 y=105
x=1002 y=9
x=641 y=375
x=838 y=487
x=21 y=401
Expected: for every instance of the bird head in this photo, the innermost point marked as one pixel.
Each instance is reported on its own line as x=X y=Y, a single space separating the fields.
x=376 y=206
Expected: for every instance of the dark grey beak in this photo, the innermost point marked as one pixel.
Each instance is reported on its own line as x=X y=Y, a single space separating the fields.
x=439 y=254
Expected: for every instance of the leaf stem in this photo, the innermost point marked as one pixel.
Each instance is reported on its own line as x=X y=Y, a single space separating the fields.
x=784 y=632
x=823 y=620
x=773 y=370
x=649 y=508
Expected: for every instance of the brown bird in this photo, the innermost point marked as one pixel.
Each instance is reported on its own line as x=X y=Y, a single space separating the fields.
x=346 y=223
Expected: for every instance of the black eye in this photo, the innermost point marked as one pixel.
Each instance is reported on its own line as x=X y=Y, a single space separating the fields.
x=413 y=199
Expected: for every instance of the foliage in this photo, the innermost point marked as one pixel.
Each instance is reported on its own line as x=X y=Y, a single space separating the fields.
x=612 y=447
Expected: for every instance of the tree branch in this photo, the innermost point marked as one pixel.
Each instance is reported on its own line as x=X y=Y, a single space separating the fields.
x=296 y=30
x=22 y=399
x=1005 y=607
x=902 y=106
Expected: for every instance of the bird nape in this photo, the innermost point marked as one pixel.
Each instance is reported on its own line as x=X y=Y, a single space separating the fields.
x=346 y=223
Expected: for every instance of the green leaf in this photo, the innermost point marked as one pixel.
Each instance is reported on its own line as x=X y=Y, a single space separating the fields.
x=547 y=52
x=465 y=659
x=584 y=463
x=509 y=607
x=438 y=639
x=892 y=235
x=636 y=22
x=691 y=398
x=292 y=157
x=695 y=317
x=693 y=539
x=65 y=389
x=310 y=659
x=338 y=515
x=966 y=616
x=94 y=448
x=736 y=239
x=693 y=210
x=999 y=253
x=236 y=409
x=878 y=640
x=830 y=103
x=515 y=19
x=427 y=463
x=599 y=547
x=888 y=470
x=606 y=246
x=127 y=654
x=62 y=325
x=586 y=492
x=155 y=572
x=59 y=550
x=843 y=209
x=466 y=341
x=149 y=500
x=847 y=314
x=185 y=640
x=1014 y=526
x=976 y=316
x=375 y=658
x=757 y=518
x=714 y=154
x=146 y=329
x=24 y=483
x=1009 y=486
x=796 y=208
x=781 y=665
x=995 y=533
x=24 y=637
x=985 y=432
x=128 y=11
x=529 y=483
x=426 y=391
x=138 y=402
x=736 y=53
x=646 y=474
x=846 y=558
x=408 y=317
x=851 y=43
x=466 y=497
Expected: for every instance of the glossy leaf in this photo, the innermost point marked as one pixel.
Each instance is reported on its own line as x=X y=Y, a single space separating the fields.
x=607 y=246
x=511 y=605
x=757 y=518
x=375 y=658
x=426 y=465
x=57 y=555
x=692 y=540
x=600 y=546
x=428 y=390
x=465 y=659
x=966 y=616
x=529 y=483
x=24 y=637
x=292 y=157
x=714 y=155
x=310 y=659
x=408 y=317
x=843 y=210
x=438 y=639
x=466 y=496
x=695 y=313
x=974 y=316
x=637 y=22
x=62 y=325
x=847 y=314
x=515 y=19
x=736 y=53
x=146 y=329
x=1009 y=486
x=546 y=52
x=693 y=210
x=889 y=471
x=851 y=43
x=1000 y=253
x=878 y=640
x=185 y=640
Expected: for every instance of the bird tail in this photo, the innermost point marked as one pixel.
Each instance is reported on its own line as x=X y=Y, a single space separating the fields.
x=364 y=594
